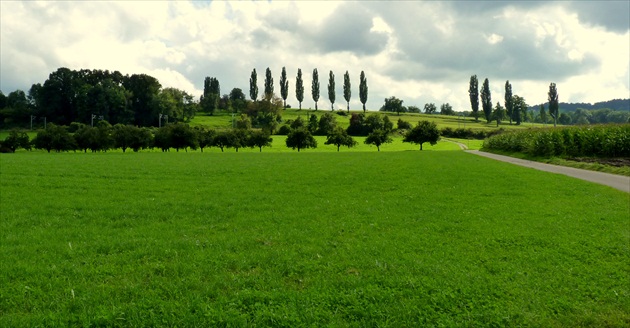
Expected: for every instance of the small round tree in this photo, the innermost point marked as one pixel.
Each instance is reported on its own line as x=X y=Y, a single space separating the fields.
x=300 y=139
x=425 y=131
x=377 y=138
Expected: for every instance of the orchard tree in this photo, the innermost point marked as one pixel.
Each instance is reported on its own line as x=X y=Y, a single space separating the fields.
x=54 y=137
x=331 y=90
x=253 y=87
x=553 y=103
x=327 y=124
x=339 y=137
x=299 y=87
x=300 y=139
x=15 y=140
x=430 y=108
x=204 y=137
x=284 y=87
x=313 y=122
x=268 y=85
x=425 y=131
x=315 y=87
x=486 y=100
x=473 y=94
x=259 y=139
x=347 y=91
x=377 y=138
x=363 y=90
x=509 y=100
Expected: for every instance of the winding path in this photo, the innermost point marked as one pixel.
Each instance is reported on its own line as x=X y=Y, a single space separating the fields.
x=619 y=182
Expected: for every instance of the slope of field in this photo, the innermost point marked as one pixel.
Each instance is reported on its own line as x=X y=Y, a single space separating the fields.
x=436 y=238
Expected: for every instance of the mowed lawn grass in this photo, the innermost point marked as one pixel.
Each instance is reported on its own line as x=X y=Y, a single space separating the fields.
x=365 y=239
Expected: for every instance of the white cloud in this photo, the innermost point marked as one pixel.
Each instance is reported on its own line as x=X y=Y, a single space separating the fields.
x=418 y=51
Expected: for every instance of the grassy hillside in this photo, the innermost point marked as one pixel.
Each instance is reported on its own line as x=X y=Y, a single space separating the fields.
x=434 y=238
x=224 y=120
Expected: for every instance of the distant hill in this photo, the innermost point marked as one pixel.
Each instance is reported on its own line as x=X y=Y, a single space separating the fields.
x=615 y=104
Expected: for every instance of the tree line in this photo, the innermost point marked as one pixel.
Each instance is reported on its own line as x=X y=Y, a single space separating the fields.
x=299 y=132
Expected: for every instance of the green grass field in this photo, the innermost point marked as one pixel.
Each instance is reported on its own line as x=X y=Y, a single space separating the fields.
x=364 y=239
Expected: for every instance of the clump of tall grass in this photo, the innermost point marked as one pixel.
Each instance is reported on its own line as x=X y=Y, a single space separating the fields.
x=611 y=140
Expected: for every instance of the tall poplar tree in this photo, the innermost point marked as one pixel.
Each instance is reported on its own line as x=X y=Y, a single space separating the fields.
x=363 y=90
x=331 y=90
x=284 y=86
x=268 y=84
x=347 y=91
x=299 y=87
x=509 y=101
x=554 y=106
x=315 y=87
x=253 y=86
x=486 y=100
x=473 y=93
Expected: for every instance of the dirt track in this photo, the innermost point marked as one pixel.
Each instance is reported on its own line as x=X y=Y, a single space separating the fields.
x=619 y=182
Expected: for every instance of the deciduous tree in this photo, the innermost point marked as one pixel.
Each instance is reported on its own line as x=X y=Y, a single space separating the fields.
x=15 y=140
x=300 y=139
x=553 y=103
x=331 y=90
x=377 y=138
x=259 y=139
x=347 y=91
x=393 y=104
x=299 y=88
x=430 y=108
x=447 y=109
x=253 y=86
x=486 y=100
x=363 y=90
x=339 y=137
x=425 y=131
x=473 y=94
x=284 y=87
x=315 y=87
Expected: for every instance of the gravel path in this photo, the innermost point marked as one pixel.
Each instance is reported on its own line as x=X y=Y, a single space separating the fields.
x=619 y=182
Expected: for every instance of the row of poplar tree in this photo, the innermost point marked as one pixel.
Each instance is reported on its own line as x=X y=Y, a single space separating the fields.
x=515 y=106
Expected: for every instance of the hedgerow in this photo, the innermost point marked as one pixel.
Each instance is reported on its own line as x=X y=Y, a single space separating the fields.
x=576 y=141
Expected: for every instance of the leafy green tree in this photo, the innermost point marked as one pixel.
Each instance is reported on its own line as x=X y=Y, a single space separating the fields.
x=253 y=87
x=425 y=131
x=182 y=136
x=299 y=87
x=327 y=124
x=268 y=85
x=413 y=109
x=331 y=90
x=123 y=136
x=211 y=95
x=163 y=138
x=430 y=108
x=543 y=113
x=298 y=123
x=240 y=138
x=564 y=119
x=86 y=137
x=259 y=139
x=238 y=99
x=447 y=109
x=339 y=137
x=244 y=122
x=498 y=113
x=473 y=93
x=553 y=103
x=204 y=137
x=300 y=139
x=486 y=100
x=519 y=108
x=377 y=138
x=375 y=122
x=223 y=139
x=15 y=140
x=284 y=87
x=144 y=92
x=315 y=87
x=347 y=91
x=388 y=126
x=363 y=90
x=54 y=137
x=357 y=124
x=142 y=139
x=312 y=123
x=392 y=104
x=509 y=101
x=403 y=125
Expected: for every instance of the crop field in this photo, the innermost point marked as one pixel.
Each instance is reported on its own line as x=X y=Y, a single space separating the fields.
x=287 y=239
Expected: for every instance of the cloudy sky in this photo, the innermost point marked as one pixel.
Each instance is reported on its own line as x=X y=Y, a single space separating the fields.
x=418 y=51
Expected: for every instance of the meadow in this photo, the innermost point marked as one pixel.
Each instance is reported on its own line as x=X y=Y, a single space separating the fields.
x=363 y=239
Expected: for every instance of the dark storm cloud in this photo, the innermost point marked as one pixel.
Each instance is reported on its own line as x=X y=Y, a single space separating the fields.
x=612 y=15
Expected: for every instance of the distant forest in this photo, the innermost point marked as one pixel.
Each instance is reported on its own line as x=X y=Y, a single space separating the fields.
x=615 y=104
